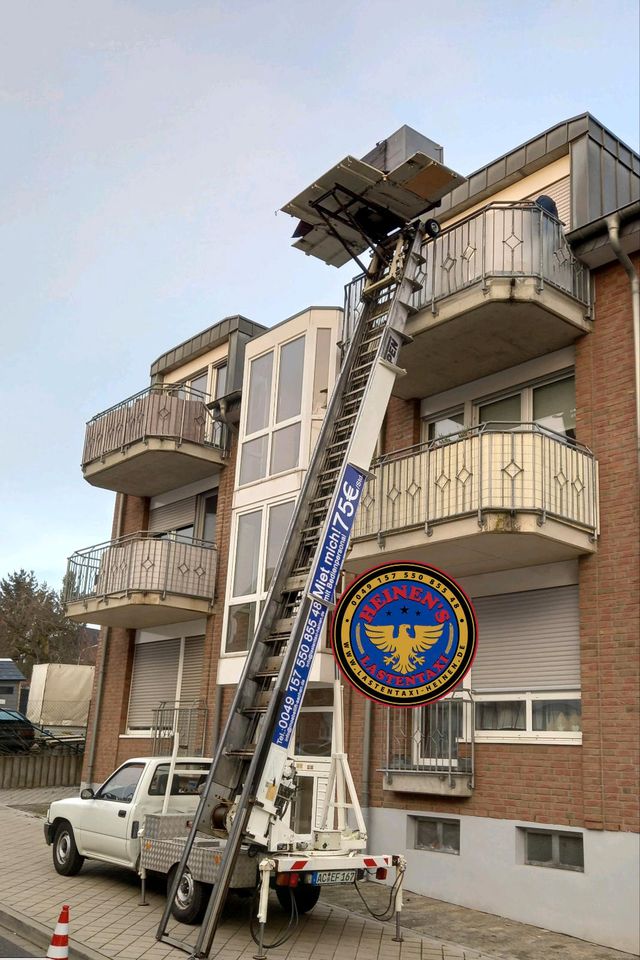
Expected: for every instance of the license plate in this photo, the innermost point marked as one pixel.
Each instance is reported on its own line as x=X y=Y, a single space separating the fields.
x=332 y=876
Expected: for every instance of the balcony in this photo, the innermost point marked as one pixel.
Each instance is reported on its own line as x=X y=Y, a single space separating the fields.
x=141 y=580
x=489 y=498
x=496 y=289
x=159 y=439
x=430 y=750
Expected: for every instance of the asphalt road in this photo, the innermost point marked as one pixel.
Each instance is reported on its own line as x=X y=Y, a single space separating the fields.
x=15 y=947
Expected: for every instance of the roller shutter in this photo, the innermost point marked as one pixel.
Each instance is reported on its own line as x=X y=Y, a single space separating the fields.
x=154 y=678
x=192 y=668
x=173 y=516
x=560 y=192
x=527 y=642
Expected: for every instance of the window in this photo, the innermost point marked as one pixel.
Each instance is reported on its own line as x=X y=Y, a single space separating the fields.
x=274 y=408
x=220 y=374
x=122 y=785
x=321 y=371
x=163 y=671
x=444 y=425
x=551 y=405
x=552 y=848
x=183 y=784
x=259 y=538
x=526 y=675
x=435 y=834
x=314 y=728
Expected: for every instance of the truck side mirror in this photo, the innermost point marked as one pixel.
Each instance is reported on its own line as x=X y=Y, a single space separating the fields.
x=87 y=793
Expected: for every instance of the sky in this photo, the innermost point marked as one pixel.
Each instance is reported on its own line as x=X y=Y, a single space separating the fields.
x=147 y=145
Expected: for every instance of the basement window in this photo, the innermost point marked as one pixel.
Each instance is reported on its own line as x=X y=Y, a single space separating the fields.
x=437 y=835
x=553 y=848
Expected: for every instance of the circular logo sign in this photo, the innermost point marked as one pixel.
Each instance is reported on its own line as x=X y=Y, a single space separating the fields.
x=404 y=634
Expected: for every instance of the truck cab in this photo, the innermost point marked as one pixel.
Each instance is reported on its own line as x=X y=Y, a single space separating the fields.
x=105 y=825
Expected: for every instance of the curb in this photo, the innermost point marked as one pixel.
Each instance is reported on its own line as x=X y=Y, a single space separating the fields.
x=40 y=935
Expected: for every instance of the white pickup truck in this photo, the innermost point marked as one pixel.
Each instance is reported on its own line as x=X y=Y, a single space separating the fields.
x=105 y=825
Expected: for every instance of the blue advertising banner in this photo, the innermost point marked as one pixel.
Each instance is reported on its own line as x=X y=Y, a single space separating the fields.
x=336 y=540
x=322 y=592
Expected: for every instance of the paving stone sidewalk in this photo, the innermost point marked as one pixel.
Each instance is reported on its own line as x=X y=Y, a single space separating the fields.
x=107 y=921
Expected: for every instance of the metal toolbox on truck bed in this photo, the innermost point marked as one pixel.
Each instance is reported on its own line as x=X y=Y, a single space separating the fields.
x=163 y=841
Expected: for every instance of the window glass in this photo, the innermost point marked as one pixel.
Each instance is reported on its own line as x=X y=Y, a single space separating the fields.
x=199 y=383
x=442 y=836
x=285 y=448
x=501 y=715
x=505 y=410
x=122 y=785
x=259 y=403
x=313 y=733
x=245 y=580
x=571 y=850
x=290 y=380
x=210 y=511
x=240 y=627
x=221 y=381
x=254 y=459
x=540 y=847
x=303 y=805
x=554 y=406
x=445 y=426
x=183 y=784
x=321 y=371
x=279 y=517
x=556 y=715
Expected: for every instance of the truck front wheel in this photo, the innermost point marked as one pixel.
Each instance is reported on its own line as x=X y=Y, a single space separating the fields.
x=66 y=859
x=190 y=900
x=305 y=896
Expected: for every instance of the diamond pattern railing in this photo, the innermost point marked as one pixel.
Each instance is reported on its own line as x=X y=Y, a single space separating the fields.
x=493 y=467
x=164 y=411
x=142 y=562
x=501 y=240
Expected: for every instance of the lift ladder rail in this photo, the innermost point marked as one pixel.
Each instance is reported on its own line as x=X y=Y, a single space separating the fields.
x=248 y=766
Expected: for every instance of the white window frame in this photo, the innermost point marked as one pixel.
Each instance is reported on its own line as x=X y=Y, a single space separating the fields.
x=524 y=391
x=146 y=731
x=260 y=594
x=528 y=735
x=460 y=694
x=271 y=426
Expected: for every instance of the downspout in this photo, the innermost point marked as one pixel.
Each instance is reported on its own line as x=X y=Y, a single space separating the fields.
x=117 y=530
x=366 y=756
x=613 y=226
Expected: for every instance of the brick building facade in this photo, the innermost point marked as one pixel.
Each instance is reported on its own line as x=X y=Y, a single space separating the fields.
x=509 y=458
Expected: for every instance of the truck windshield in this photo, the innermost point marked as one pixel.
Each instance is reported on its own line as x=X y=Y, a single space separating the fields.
x=188 y=779
x=122 y=785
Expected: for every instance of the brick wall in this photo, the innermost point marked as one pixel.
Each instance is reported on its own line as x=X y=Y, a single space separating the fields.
x=609 y=582
x=401 y=425
x=596 y=784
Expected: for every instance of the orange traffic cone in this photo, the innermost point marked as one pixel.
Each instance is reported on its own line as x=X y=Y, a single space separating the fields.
x=59 y=946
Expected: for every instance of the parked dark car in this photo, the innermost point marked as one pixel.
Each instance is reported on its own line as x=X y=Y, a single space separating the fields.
x=17 y=734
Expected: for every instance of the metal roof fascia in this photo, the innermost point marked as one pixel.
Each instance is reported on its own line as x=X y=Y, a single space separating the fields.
x=204 y=341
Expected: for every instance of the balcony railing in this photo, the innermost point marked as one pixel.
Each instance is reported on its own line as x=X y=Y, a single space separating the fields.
x=495 y=467
x=164 y=411
x=142 y=563
x=518 y=240
x=435 y=740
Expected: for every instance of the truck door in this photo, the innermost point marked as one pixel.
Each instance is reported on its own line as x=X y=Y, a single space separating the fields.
x=107 y=818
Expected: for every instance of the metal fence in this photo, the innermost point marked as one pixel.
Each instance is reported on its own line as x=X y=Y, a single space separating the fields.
x=437 y=738
x=501 y=240
x=143 y=562
x=489 y=468
x=187 y=719
x=164 y=411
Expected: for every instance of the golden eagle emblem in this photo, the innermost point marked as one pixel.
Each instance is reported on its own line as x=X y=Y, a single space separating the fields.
x=404 y=648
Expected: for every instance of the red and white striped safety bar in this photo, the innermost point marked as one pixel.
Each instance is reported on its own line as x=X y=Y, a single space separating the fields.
x=331 y=861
